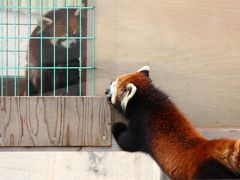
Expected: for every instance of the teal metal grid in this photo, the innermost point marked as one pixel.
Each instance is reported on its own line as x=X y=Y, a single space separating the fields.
x=10 y=31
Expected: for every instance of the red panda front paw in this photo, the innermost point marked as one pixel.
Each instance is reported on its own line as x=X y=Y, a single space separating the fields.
x=117 y=129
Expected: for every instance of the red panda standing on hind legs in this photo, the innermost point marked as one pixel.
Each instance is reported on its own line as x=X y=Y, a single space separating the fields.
x=158 y=128
x=45 y=48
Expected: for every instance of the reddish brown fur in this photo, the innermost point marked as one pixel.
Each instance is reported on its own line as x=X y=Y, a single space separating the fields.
x=139 y=80
x=182 y=151
x=173 y=142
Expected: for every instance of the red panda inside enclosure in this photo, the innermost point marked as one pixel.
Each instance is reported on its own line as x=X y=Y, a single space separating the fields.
x=157 y=127
x=64 y=50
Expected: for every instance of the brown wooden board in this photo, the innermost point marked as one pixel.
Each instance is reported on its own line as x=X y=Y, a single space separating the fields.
x=55 y=121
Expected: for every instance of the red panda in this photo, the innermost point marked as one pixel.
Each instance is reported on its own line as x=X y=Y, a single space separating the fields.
x=157 y=127
x=47 y=52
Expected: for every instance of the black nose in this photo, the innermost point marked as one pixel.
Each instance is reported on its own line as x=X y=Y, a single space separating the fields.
x=107 y=91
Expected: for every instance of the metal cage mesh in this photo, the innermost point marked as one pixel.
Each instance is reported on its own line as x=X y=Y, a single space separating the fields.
x=17 y=23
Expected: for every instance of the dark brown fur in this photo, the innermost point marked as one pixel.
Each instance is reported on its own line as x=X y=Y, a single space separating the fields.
x=48 y=53
x=156 y=126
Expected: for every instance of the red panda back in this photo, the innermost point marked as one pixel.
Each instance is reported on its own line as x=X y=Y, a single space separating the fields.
x=184 y=154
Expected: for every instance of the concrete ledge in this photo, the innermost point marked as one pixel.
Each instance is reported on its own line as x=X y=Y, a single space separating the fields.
x=75 y=165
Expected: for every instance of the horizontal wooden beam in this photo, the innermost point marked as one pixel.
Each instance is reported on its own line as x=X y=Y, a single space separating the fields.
x=55 y=121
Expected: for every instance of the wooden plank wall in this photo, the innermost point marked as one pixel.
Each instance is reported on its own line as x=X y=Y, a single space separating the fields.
x=55 y=121
x=192 y=47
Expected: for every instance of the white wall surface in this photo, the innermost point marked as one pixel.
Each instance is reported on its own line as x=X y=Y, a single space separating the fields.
x=77 y=165
x=16 y=49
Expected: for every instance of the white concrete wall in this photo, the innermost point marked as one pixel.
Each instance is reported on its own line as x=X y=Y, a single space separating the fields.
x=77 y=165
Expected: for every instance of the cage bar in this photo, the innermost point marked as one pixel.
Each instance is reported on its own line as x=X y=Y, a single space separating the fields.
x=41 y=46
x=18 y=57
x=45 y=7
x=67 y=29
x=28 y=56
x=80 y=50
x=54 y=49
x=1 y=28
x=93 y=46
x=59 y=37
x=15 y=55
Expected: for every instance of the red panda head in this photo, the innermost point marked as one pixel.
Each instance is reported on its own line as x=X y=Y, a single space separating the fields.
x=125 y=87
x=61 y=26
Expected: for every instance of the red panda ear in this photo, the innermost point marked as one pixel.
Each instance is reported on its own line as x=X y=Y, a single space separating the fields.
x=45 y=22
x=130 y=91
x=145 y=70
x=77 y=12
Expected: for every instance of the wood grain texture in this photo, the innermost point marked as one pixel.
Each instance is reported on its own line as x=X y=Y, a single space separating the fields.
x=55 y=121
x=192 y=47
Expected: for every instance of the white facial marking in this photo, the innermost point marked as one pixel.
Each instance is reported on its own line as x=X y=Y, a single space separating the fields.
x=113 y=91
x=70 y=43
x=144 y=68
x=130 y=91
